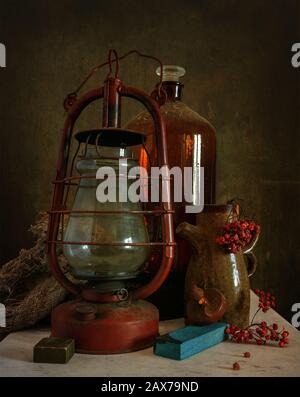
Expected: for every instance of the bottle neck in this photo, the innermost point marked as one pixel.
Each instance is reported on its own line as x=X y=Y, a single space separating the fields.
x=173 y=90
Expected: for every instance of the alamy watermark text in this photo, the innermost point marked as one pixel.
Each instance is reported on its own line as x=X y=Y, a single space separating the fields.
x=2 y=55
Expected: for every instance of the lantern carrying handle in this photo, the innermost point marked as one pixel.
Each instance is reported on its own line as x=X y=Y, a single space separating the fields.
x=72 y=97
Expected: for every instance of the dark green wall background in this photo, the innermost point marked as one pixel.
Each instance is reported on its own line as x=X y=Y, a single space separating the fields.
x=237 y=56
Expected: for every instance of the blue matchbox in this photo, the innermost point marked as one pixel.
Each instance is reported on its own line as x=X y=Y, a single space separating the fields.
x=187 y=341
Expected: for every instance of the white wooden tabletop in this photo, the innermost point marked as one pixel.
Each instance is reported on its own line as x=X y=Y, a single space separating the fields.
x=16 y=357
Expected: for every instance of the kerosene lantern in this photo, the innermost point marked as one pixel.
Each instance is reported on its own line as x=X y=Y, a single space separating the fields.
x=107 y=244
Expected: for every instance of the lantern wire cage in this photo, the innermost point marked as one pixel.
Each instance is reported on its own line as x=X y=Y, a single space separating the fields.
x=67 y=180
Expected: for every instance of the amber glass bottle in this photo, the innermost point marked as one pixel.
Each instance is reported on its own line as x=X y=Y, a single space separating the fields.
x=191 y=143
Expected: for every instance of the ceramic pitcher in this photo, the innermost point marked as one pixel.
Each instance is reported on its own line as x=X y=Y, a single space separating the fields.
x=211 y=267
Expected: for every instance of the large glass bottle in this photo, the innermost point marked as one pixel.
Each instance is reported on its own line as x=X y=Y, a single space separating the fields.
x=191 y=142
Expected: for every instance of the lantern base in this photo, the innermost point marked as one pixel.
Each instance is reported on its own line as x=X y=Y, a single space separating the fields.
x=106 y=328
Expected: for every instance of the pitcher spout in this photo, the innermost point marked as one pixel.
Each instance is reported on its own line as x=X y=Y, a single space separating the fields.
x=190 y=233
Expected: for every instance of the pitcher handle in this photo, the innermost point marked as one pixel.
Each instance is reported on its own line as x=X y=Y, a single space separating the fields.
x=251 y=263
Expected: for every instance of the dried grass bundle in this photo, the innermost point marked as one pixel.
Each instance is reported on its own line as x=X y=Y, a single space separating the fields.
x=27 y=288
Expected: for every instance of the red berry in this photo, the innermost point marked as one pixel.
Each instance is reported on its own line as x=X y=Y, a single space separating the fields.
x=281 y=344
x=236 y=366
x=247 y=354
x=227 y=331
x=275 y=326
x=263 y=324
x=259 y=342
x=285 y=334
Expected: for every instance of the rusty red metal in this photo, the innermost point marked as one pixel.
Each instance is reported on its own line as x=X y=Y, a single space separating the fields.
x=109 y=329
x=139 y=212
x=112 y=105
x=138 y=324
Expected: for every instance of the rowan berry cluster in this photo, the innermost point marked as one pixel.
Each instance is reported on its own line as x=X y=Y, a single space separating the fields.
x=266 y=300
x=236 y=235
x=258 y=333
